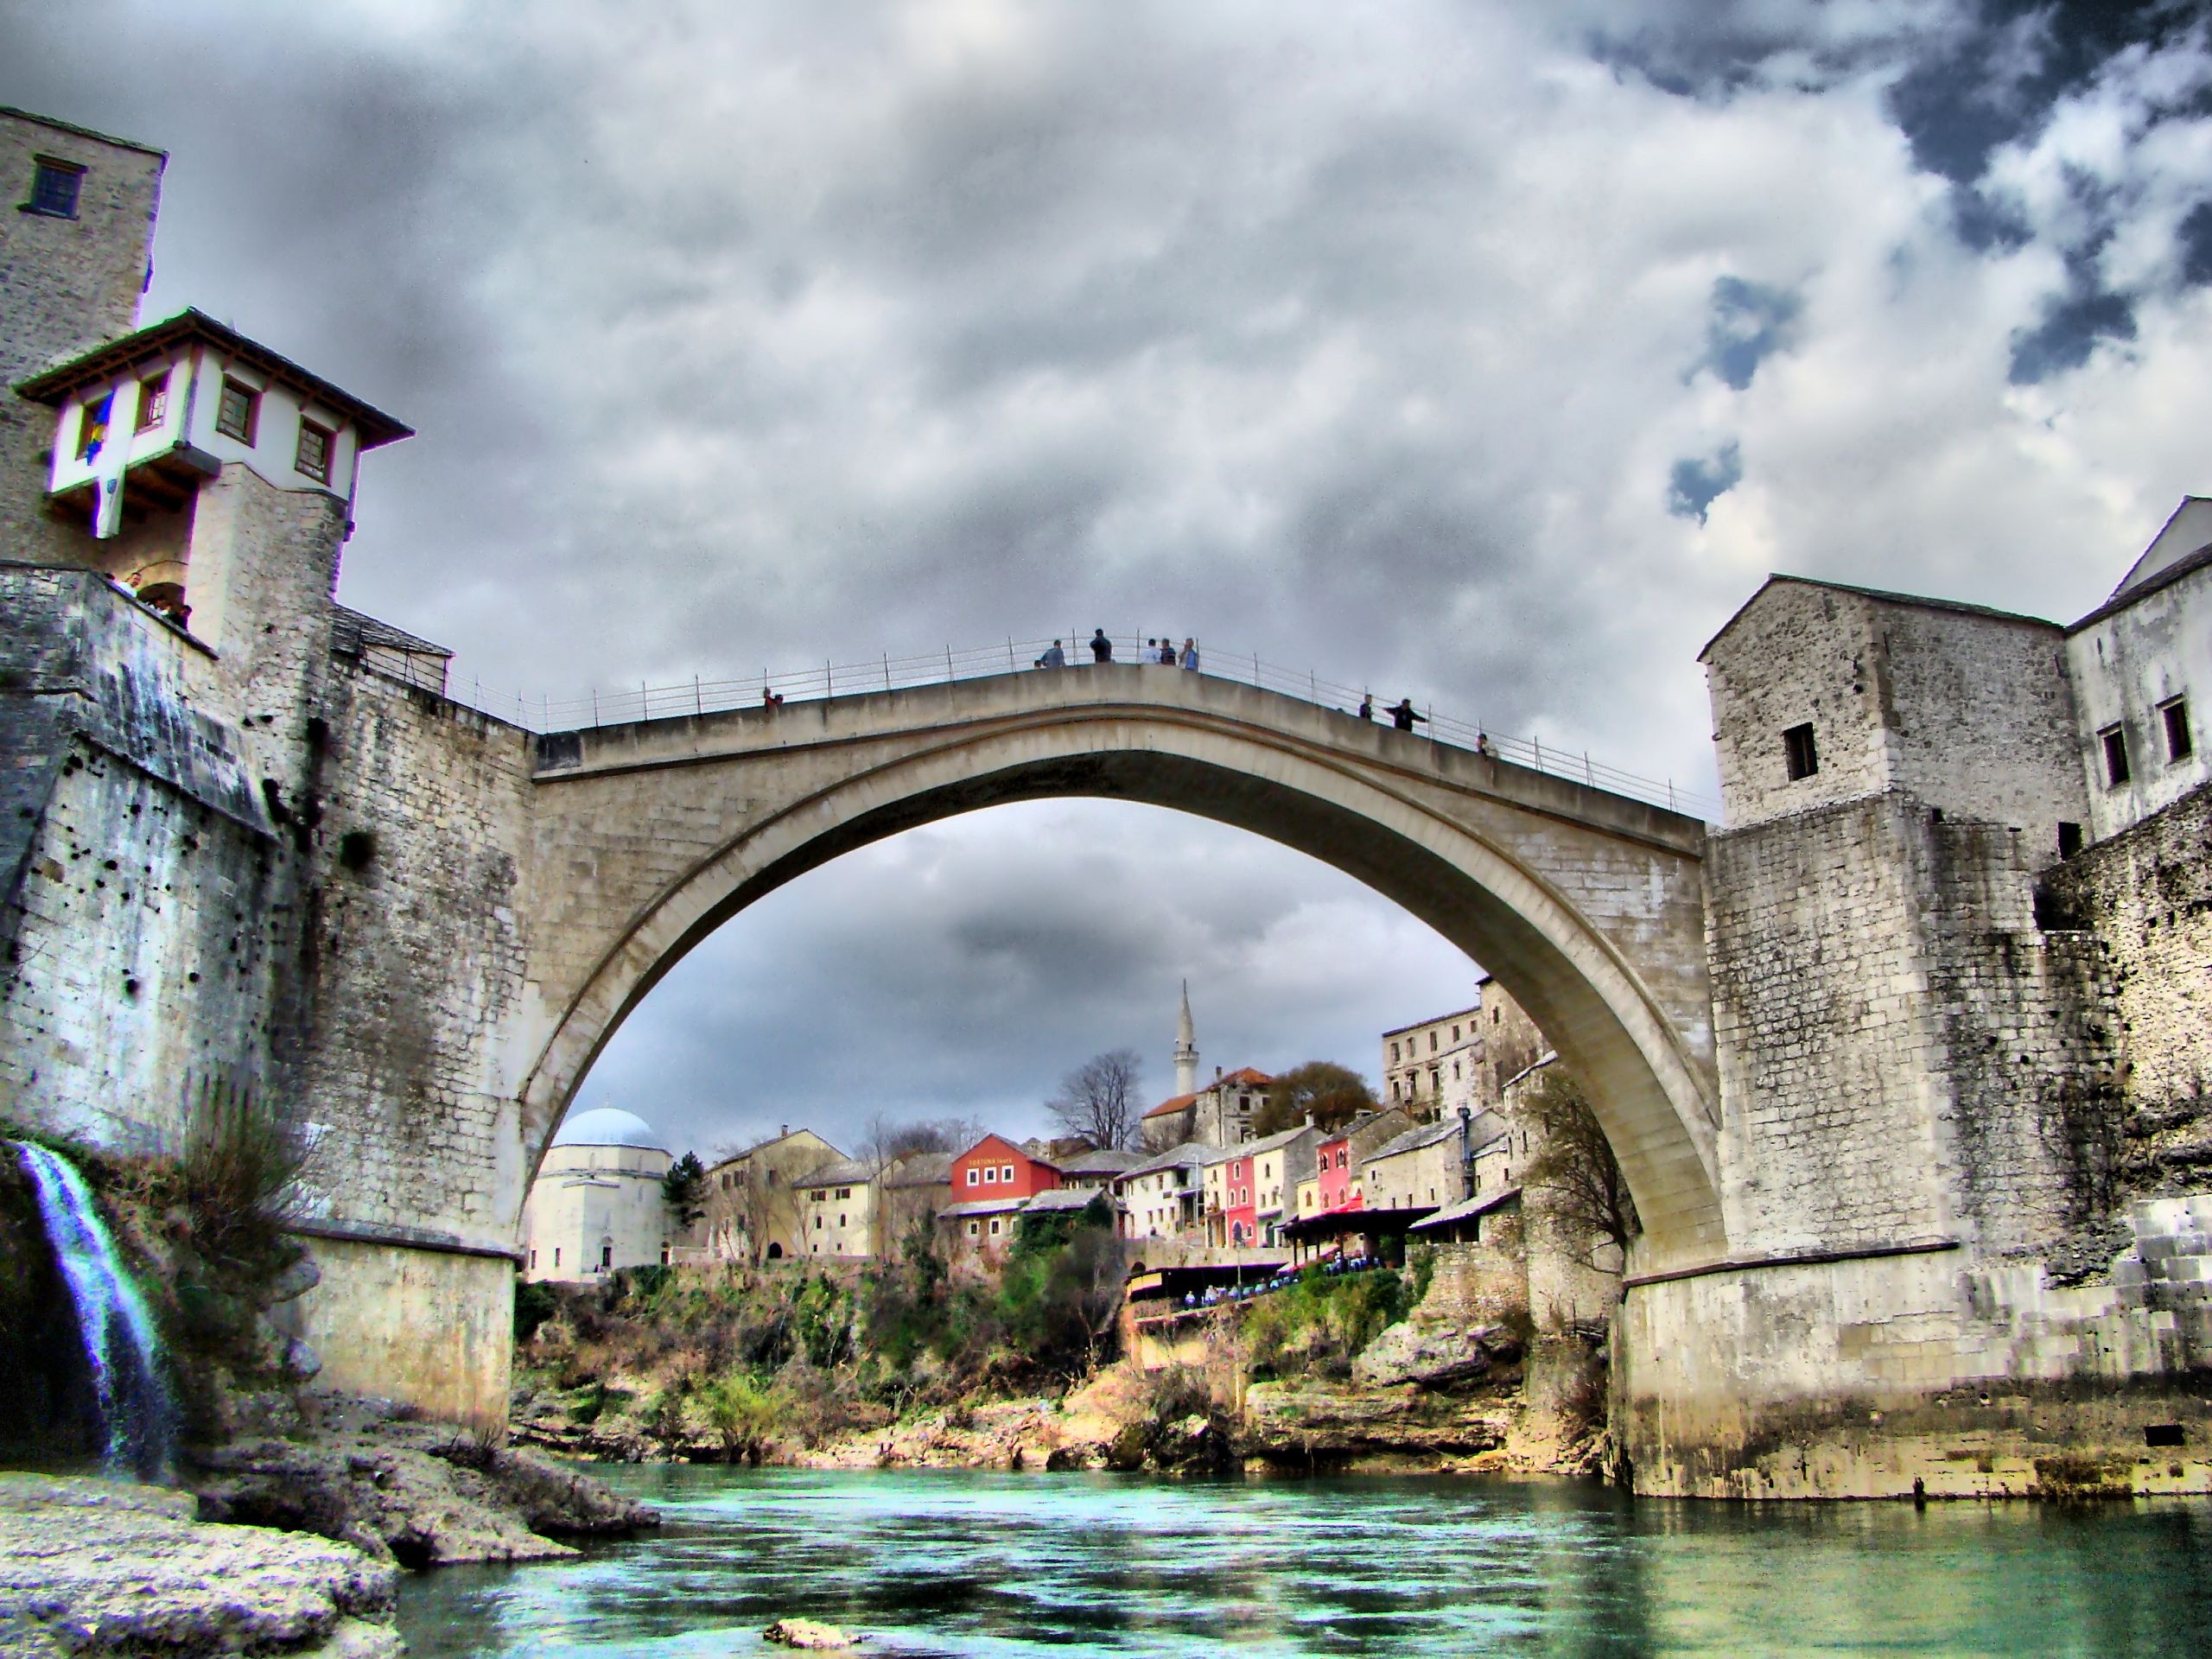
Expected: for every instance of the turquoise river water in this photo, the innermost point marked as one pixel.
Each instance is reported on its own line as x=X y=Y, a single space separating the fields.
x=952 y=1563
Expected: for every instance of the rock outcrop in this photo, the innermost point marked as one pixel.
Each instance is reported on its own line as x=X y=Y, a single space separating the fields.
x=93 y=1566
x=1434 y=1356
x=420 y=1494
x=1307 y=1422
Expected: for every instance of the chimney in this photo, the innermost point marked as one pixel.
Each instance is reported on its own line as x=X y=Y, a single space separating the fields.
x=1466 y=1169
x=1216 y=1073
x=783 y=1130
x=1309 y=1120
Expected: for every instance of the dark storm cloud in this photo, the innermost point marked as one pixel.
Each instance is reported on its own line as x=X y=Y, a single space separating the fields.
x=2071 y=326
x=1352 y=336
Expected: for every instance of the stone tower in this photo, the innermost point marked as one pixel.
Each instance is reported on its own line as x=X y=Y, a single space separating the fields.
x=1186 y=1048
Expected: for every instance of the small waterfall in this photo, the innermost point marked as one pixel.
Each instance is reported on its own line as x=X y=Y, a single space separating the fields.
x=120 y=1343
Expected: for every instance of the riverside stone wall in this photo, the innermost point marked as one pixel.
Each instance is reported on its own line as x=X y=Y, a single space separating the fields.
x=1829 y=1054
x=2145 y=897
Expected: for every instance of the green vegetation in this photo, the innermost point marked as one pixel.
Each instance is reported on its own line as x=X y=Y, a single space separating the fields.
x=726 y=1359
x=684 y=1189
x=1318 y=1324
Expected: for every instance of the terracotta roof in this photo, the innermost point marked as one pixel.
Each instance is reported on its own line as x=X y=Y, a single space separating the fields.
x=1242 y=1075
x=51 y=386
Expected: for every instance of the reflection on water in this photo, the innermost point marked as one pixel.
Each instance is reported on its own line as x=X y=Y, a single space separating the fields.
x=950 y=1563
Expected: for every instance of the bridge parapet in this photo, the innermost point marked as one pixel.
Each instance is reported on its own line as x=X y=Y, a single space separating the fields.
x=965 y=706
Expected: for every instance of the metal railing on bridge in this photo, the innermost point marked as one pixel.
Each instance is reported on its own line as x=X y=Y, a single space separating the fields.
x=620 y=705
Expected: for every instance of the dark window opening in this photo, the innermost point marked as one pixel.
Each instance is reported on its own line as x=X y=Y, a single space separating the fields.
x=1798 y=752
x=54 y=187
x=607 y=1255
x=2176 y=716
x=2162 y=1435
x=313 y=458
x=2115 y=746
x=234 y=414
x=2070 y=838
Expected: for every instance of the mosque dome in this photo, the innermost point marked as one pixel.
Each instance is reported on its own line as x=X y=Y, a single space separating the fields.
x=608 y=1126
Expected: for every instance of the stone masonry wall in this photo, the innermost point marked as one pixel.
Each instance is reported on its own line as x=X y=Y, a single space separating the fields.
x=142 y=898
x=416 y=964
x=2030 y=1032
x=1797 y=652
x=66 y=285
x=2146 y=895
x=1969 y=710
x=1981 y=718
x=1482 y=1281
x=1830 y=1060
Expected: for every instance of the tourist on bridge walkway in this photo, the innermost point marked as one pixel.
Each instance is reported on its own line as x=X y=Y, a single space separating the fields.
x=1403 y=717
x=1053 y=656
x=1190 y=656
x=1101 y=648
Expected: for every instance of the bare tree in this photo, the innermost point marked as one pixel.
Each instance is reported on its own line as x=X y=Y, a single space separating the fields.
x=889 y=1138
x=1098 y=1100
x=1574 y=1165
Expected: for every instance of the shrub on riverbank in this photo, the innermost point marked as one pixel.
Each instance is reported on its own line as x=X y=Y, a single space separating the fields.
x=1320 y=1323
x=720 y=1360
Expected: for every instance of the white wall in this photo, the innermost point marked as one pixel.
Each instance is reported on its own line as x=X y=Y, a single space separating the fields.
x=586 y=1199
x=2123 y=666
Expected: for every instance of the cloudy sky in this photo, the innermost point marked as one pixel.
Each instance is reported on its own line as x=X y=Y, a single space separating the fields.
x=1487 y=352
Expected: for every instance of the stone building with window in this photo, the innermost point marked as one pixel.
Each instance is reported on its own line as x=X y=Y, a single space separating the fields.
x=1219 y=1114
x=837 y=1206
x=754 y=1207
x=597 y=1205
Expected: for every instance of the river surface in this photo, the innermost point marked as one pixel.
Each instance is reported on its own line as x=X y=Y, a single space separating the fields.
x=957 y=1563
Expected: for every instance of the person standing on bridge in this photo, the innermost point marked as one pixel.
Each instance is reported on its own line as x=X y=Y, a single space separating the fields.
x=1101 y=648
x=1053 y=656
x=1403 y=717
x=1367 y=705
x=1190 y=656
x=1166 y=658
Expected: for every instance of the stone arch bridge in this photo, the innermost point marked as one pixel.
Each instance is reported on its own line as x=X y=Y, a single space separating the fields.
x=455 y=1028
x=1587 y=905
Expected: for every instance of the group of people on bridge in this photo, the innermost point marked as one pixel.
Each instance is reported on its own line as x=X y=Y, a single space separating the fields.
x=1162 y=651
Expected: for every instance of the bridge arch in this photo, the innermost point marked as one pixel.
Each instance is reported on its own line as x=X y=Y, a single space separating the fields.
x=1384 y=825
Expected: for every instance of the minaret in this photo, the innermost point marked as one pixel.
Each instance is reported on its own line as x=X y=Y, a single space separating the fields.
x=1186 y=1048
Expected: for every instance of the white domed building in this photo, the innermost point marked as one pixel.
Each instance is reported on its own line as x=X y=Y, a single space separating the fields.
x=596 y=1205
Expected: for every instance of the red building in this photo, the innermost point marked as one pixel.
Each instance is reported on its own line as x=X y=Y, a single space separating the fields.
x=996 y=1168
x=1338 y=1176
x=1240 y=1215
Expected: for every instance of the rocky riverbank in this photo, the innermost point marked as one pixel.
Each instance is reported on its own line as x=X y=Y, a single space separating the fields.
x=90 y=1566
x=1434 y=1400
x=399 y=1490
